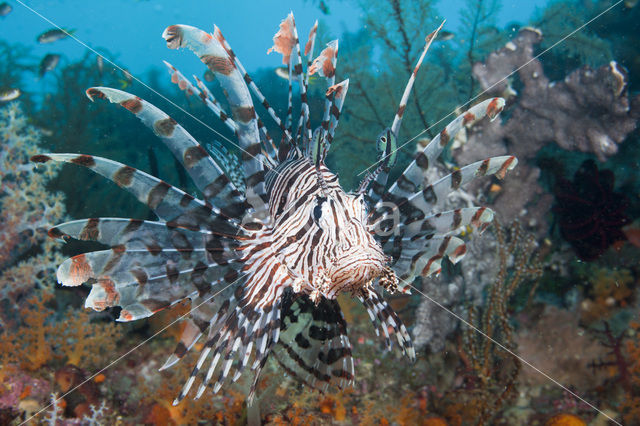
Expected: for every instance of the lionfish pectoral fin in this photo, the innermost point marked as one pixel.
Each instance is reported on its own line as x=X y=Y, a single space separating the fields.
x=385 y=319
x=241 y=329
x=410 y=181
x=417 y=259
x=208 y=176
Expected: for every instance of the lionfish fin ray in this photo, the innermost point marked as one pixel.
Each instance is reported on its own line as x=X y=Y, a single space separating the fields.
x=410 y=181
x=210 y=49
x=208 y=176
x=385 y=318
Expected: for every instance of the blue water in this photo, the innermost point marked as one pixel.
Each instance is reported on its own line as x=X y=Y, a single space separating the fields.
x=131 y=30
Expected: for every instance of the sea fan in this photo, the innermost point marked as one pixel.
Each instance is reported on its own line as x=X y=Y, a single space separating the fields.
x=262 y=261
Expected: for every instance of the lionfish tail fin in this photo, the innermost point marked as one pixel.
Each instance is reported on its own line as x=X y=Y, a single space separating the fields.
x=314 y=347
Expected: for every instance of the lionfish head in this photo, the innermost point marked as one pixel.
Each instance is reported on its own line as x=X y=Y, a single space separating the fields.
x=356 y=259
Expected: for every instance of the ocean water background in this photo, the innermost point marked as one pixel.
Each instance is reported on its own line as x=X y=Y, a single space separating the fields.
x=574 y=312
x=129 y=28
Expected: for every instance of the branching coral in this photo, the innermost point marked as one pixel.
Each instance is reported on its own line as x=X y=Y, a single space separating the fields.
x=26 y=211
x=31 y=345
x=36 y=345
x=222 y=409
x=490 y=369
x=37 y=341
x=631 y=403
x=488 y=372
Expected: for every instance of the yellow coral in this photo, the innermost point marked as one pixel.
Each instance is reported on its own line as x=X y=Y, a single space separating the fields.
x=610 y=289
x=86 y=344
x=565 y=420
x=631 y=404
x=34 y=343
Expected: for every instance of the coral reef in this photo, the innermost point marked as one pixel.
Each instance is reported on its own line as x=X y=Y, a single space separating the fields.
x=37 y=345
x=631 y=402
x=433 y=324
x=608 y=290
x=548 y=350
x=579 y=323
x=27 y=209
x=515 y=263
x=590 y=110
x=490 y=370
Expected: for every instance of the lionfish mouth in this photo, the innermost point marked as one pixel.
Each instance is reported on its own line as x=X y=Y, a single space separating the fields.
x=356 y=273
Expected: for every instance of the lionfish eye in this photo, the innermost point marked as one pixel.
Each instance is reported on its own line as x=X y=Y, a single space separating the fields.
x=317 y=210
x=383 y=139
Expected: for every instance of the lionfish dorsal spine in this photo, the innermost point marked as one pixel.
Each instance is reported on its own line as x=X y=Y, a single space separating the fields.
x=380 y=174
x=269 y=144
x=309 y=49
x=202 y=93
x=212 y=53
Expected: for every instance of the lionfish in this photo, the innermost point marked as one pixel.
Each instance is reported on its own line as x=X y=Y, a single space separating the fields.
x=262 y=258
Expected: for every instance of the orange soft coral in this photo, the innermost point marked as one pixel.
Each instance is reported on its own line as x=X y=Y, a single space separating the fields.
x=631 y=403
x=37 y=341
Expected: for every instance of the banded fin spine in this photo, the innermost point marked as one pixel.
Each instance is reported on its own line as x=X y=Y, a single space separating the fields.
x=210 y=51
x=269 y=145
x=204 y=171
x=308 y=50
x=406 y=183
x=384 y=319
x=387 y=156
x=203 y=94
x=338 y=93
x=169 y=203
x=325 y=66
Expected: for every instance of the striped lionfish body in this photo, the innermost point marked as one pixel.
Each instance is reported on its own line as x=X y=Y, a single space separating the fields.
x=263 y=259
